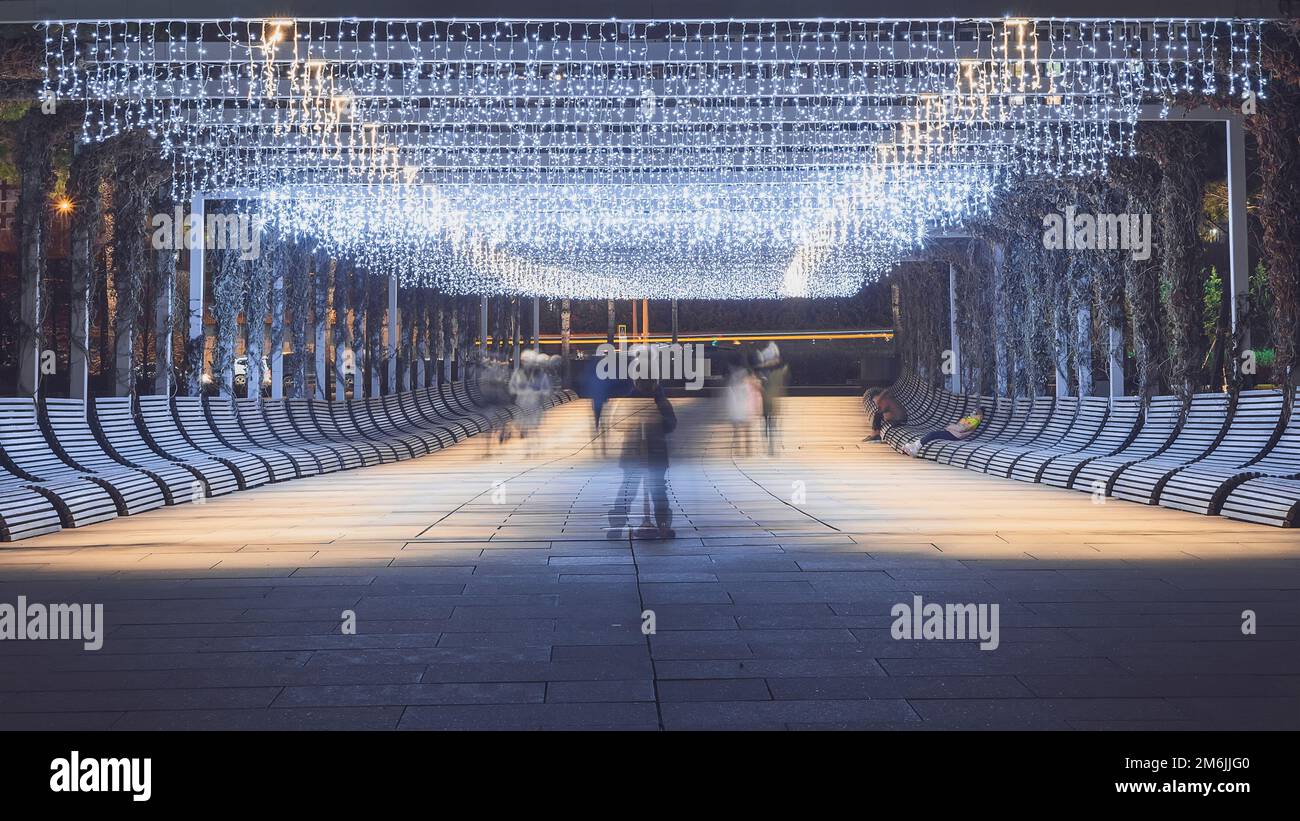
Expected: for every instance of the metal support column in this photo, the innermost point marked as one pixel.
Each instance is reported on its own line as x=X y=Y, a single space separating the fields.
x=194 y=344
x=1238 y=250
x=954 y=379
x=390 y=347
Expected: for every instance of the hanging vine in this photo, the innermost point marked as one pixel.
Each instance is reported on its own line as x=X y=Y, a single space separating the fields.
x=35 y=158
x=344 y=356
x=1137 y=179
x=229 y=282
x=170 y=317
x=138 y=174
x=1109 y=284
x=85 y=186
x=322 y=284
x=257 y=295
x=1275 y=127
x=974 y=303
x=923 y=313
x=1179 y=150
x=376 y=351
x=298 y=305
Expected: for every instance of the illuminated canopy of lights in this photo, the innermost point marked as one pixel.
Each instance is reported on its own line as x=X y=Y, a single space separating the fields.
x=666 y=158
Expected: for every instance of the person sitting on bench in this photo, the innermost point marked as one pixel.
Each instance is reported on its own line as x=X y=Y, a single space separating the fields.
x=956 y=431
x=888 y=409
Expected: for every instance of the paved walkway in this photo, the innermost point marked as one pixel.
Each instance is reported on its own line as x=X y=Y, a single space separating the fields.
x=488 y=593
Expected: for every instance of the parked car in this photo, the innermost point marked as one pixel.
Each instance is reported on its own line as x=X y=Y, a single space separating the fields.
x=241 y=374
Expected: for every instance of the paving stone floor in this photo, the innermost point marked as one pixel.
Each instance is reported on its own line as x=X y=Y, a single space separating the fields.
x=490 y=594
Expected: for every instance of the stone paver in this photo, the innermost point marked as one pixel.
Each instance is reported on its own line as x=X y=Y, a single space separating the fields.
x=489 y=593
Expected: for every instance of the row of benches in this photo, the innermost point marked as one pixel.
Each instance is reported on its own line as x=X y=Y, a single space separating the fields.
x=1235 y=455
x=66 y=464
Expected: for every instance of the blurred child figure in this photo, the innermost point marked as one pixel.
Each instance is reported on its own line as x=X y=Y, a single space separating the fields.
x=744 y=404
x=529 y=386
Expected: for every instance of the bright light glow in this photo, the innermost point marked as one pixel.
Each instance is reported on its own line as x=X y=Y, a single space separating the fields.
x=630 y=159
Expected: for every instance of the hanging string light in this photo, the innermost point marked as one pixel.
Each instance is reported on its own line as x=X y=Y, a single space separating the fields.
x=638 y=158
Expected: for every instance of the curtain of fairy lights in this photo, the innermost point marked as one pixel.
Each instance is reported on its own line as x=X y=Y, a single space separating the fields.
x=636 y=158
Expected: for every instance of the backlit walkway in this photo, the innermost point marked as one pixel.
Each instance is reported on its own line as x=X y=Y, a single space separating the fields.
x=489 y=594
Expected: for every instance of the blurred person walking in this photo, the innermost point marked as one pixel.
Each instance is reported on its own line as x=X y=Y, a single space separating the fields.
x=774 y=375
x=645 y=464
x=601 y=390
x=744 y=398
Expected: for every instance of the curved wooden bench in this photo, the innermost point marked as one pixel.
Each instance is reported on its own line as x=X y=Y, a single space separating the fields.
x=192 y=422
x=1122 y=418
x=27 y=460
x=24 y=513
x=946 y=409
x=377 y=426
x=61 y=467
x=901 y=386
x=1088 y=423
x=321 y=418
x=114 y=421
x=138 y=489
x=1040 y=415
x=470 y=423
x=456 y=401
x=997 y=415
x=308 y=460
x=425 y=406
x=920 y=403
x=1206 y=421
x=987 y=408
x=960 y=453
x=404 y=417
x=1268 y=500
x=282 y=422
x=221 y=419
x=1160 y=424
x=391 y=414
x=1059 y=421
x=302 y=419
x=160 y=430
x=345 y=419
x=473 y=394
x=499 y=415
x=1247 y=451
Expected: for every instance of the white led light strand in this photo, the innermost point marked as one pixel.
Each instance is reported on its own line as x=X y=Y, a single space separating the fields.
x=645 y=158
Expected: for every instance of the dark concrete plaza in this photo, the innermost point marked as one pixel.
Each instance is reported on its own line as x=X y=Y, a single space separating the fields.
x=488 y=596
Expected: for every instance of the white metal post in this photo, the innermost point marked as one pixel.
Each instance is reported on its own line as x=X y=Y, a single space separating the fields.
x=1238 y=251
x=954 y=380
x=277 y=340
x=390 y=348
x=1115 y=361
x=195 y=341
x=537 y=323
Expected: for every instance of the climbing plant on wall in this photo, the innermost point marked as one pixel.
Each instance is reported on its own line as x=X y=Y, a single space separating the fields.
x=1179 y=150
x=137 y=173
x=229 y=282
x=257 y=295
x=1275 y=127
x=85 y=189
x=923 y=313
x=1138 y=180
x=298 y=305
x=973 y=300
